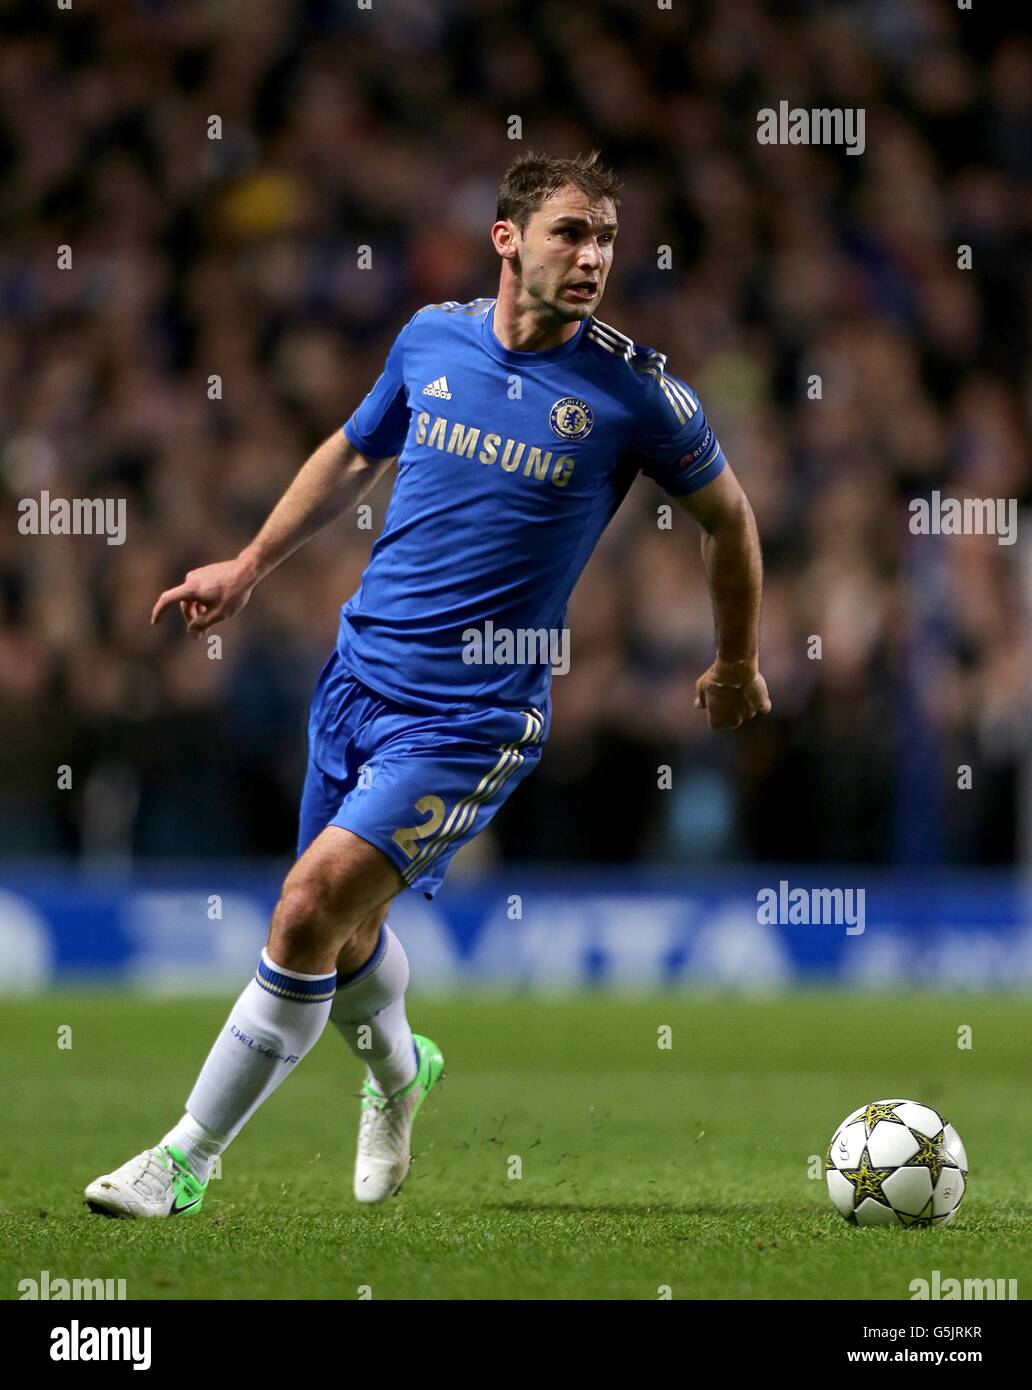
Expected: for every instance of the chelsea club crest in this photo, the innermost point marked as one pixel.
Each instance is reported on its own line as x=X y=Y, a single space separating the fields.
x=571 y=418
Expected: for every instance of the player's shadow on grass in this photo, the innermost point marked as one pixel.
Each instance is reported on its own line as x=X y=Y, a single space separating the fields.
x=589 y=1208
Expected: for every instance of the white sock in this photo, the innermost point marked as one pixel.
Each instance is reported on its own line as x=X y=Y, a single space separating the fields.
x=275 y=1022
x=199 y=1145
x=369 y=1012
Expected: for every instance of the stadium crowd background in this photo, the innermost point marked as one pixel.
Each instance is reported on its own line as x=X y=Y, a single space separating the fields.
x=388 y=128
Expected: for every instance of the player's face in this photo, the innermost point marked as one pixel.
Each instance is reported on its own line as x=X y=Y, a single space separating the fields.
x=565 y=255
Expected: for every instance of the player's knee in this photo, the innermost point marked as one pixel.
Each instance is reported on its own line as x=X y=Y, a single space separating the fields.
x=307 y=917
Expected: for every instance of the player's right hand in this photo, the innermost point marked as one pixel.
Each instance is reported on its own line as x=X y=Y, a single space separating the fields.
x=208 y=596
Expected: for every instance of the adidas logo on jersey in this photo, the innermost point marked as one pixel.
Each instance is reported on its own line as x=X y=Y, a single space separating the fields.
x=438 y=388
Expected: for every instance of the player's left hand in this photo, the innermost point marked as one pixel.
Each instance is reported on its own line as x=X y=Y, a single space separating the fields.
x=731 y=692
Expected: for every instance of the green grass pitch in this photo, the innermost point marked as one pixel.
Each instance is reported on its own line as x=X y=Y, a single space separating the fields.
x=643 y=1168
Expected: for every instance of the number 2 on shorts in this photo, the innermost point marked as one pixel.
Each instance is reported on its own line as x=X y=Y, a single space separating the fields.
x=408 y=836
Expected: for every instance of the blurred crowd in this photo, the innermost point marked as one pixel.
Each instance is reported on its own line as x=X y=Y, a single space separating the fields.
x=388 y=127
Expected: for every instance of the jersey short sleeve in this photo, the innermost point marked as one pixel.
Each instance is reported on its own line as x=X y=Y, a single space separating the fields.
x=673 y=442
x=379 y=426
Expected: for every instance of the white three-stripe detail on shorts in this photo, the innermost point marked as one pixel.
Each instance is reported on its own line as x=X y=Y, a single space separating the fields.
x=464 y=812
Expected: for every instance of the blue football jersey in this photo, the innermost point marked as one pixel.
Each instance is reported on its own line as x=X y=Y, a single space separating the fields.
x=510 y=466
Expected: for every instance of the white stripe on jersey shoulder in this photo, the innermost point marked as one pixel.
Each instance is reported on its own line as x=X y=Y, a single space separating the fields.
x=452 y=306
x=645 y=361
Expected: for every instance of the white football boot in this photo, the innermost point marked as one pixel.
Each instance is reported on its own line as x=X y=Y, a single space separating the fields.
x=157 y=1182
x=385 y=1127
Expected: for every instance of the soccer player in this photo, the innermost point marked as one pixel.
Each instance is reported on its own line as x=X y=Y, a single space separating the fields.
x=518 y=424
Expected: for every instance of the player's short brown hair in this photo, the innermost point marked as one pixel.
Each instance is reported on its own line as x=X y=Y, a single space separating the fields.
x=533 y=177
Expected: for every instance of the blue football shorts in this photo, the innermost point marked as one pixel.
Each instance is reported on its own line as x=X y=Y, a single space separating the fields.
x=416 y=785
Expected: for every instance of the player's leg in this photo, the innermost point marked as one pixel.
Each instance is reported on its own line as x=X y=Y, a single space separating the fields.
x=330 y=900
x=432 y=783
x=372 y=968
x=402 y=1067
x=368 y=1009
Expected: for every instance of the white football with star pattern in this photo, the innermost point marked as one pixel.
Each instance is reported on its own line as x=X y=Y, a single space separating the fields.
x=896 y=1163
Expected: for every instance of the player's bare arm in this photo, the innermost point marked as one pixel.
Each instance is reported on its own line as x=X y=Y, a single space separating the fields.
x=732 y=690
x=331 y=482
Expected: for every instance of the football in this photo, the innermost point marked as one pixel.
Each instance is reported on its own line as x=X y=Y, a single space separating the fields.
x=896 y=1163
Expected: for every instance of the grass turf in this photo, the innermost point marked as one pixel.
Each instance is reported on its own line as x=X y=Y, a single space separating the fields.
x=642 y=1167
